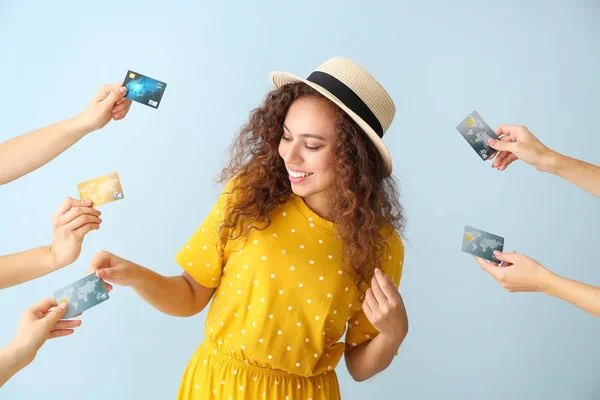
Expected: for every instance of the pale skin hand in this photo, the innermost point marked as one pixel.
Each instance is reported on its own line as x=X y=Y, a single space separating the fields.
x=108 y=103
x=179 y=296
x=28 y=152
x=520 y=273
x=72 y=221
x=38 y=324
x=517 y=142
x=384 y=308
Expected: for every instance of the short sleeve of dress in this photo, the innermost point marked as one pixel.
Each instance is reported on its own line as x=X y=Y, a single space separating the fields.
x=203 y=257
x=360 y=329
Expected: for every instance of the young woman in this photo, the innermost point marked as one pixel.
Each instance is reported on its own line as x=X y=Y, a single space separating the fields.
x=302 y=246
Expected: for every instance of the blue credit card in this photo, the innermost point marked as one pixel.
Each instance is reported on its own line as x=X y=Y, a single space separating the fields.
x=477 y=133
x=82 y=295
x=481 y=243
x=144 y=89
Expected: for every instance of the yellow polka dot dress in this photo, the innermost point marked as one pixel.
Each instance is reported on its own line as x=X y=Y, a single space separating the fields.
x=281 y=306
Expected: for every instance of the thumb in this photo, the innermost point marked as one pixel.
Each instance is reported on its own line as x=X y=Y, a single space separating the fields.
x=111 y=274
x=115 y=96
x=506 y=257
x=501 y=145
x=57 y=313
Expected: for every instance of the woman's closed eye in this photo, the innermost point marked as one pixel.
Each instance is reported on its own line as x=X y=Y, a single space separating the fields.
x=311 y=148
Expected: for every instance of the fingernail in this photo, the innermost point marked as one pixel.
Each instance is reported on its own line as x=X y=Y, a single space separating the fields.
x=63 y=305
x=496 y=252
x=123 y=89
x=87 y=202
x=99 y=274
x=492 y=141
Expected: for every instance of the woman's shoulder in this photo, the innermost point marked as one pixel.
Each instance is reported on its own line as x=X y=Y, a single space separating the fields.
x=391 y=235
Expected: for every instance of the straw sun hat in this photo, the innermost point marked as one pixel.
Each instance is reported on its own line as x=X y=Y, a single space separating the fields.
x=356 y=92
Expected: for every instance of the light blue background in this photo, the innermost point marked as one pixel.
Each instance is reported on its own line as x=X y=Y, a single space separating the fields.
x=532 y=63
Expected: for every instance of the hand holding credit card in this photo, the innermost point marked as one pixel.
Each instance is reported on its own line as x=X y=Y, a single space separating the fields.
x=481 y=243
x=144 y=89
x=82 y=295
x=102 y=190
x=477 y=133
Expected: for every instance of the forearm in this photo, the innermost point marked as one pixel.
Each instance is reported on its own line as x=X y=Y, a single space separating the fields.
x=582 y=174
x=11 y=362
x=170 y=295
x=26 y=153
x=372 y=357
x=25 y=266
x=584 y=296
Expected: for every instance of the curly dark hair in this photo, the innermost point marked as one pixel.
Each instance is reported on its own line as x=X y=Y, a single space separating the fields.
x=366 y=200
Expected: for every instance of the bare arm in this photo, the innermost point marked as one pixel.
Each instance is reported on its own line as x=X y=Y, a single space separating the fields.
x=73 y=220
x=25 y=266
x=384 y=308
x=579 y=173
x=38 y=324
x=579 y=294
x=11 y=362
x=520 y=273
x=518 y=143
x=372 y=357
x=26 y=153
x=180 y=296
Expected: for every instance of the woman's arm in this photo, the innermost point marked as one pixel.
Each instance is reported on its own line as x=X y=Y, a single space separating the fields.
x=179 y=296
x=520 y=273
x=25 y=266
x=384 y=309
x=372 y=357
x=38 y=323
x=579 y=294
x=28 y=152
x=73 y=220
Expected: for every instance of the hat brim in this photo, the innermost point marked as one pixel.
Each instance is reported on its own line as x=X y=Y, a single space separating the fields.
x=283 y=78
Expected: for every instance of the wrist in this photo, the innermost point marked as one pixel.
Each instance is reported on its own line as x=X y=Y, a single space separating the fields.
x=552 y=162
x=52 y=261
x=18 y=356
x=139 y=276
x=80 y=126
x=549 y=283
x=392 y=340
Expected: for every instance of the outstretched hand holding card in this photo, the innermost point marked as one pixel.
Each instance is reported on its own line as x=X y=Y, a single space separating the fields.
x=82 y=295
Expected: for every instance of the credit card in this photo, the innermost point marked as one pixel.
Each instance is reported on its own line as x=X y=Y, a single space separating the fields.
x=144 y=89
x=481 y=243
x=477 y=133
x=82 y=295
x=102 y=190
